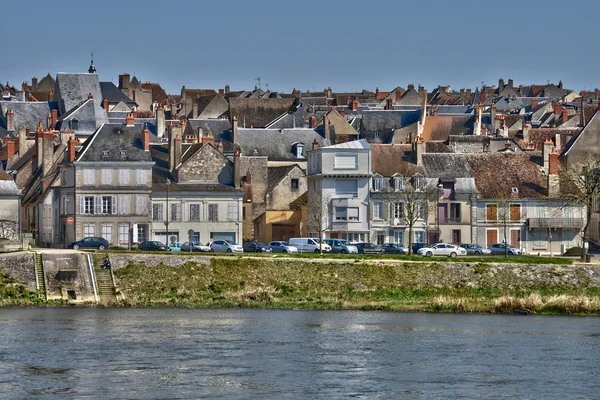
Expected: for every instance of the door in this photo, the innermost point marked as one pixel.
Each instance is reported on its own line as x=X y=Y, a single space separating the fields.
x=491 y=237
x=283 y=232
x=515 y=238
x=442 y=212
x=456 y=236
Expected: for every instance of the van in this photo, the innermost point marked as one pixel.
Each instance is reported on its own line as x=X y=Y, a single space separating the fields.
x=309 y=245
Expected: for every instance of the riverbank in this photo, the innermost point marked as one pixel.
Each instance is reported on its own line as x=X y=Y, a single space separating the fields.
x=428 y=285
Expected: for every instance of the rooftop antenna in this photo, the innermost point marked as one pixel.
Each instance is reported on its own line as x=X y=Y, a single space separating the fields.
x=267 y=86
x=92 y=69
x=258 y=79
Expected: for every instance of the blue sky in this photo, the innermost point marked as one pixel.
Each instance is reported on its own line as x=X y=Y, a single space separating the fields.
x=347 y=45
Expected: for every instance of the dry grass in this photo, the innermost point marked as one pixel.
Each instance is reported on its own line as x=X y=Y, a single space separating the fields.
x=561 y=304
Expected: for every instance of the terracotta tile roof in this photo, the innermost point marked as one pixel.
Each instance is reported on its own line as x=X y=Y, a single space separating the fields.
x=437 y=147
x=4 y=176
x=440 y=127
x=539 y=135
x=389 y=159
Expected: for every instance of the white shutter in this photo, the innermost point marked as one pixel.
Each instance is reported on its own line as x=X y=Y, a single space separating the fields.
x=121 y=205
x=97 y=205
x=141 y=177
x=113 y=204
x=127 y=205
x=81 y=205
x=134 y=227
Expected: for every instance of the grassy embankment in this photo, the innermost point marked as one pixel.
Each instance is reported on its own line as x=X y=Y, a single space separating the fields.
x=15 y=293
x=402 y=286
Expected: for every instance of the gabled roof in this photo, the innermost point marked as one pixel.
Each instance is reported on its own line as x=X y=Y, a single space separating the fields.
x=257 y=113
x=73 y=89
x=446 y=165
x=276 y=174
x=385 y=120
x=391 y=159
x=440 y=127
x=214 y=126
x=27 y=114
x=46 y=84
x=113 y=94
x=113 y=138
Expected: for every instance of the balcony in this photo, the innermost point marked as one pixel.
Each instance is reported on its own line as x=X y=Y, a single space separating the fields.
x=451 y=220
x=568 y=223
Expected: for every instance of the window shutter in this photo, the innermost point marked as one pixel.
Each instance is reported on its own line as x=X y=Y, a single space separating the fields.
x=126 y=206
x=97 y=205
x=113 y=204
x=385 y=210
x=81 y=205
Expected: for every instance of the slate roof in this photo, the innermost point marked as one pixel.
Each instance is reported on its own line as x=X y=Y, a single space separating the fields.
x=390 y=159
x=440 y=127
x=518 y=170
x=385 y=120
x=73 y=89
x=539 y=135
x=158 y=93
x=46 y=84
x=440 y=165
x=85 y=114
x=113 y=94
x=275 y=144
x=257 y=113
x=215 y=126
x=27 y=114
x=276 y=174
x=114 y=138
x=8 y=187
x=410 y=97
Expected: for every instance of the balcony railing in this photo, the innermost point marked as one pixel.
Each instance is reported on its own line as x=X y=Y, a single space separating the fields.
x=573 y=223
x=451 y=220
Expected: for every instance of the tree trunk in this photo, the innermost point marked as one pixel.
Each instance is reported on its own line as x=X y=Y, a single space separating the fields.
x=410 y=236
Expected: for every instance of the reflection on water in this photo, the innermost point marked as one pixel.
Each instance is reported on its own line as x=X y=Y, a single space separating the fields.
x=185 y=353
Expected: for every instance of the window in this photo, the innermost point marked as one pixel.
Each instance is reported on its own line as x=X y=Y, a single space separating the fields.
x=124 y=205
x=176 y=212
x=418 y=180
x=123 y=153
x=232 y=212
x=341 y=214
x=105 y=154
x=141 y=206
x=213 y=212
x=65 y=205
x=124 y=233
x=108 y=205
x=515 y=212
x=398 y=237
x=346 y=187
x=380 y=238
x=106 y=176
x=355 y=237
x=568 y=237
x=398 y=183
x=419 y=237
x=346 y=161
x=74 y=124
x=124 y=176
x=456 y=236
x=568 y=210
x=377 y=184
x=142 y=177
x=540 y=236
x=88 y=230
x=107 y=232
x=299 y=151
x=295 y=183
x=194 y=212
x=141 y=232
x=377 y=209
x=157 y=212
x=352 y=213
x=455 y=213
x=88 y=177
x=540 y=211
x=87 y=205
x=448 y=190
x=491 y=211
x=399 y=210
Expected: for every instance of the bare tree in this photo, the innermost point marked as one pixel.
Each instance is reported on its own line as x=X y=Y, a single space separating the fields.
x=503 y=218
x=319 y=220
x=580 y=185
x=7 y=229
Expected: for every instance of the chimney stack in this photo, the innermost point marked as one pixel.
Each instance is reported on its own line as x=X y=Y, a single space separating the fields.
x=146 y=138
x=477 y=129
x=481 y=97
x=493 y=119
x=237 y=177
x=124 y=82
x=419 y=150
x=327 y=129
x=315 y=144
x=222 y=92
x=130 y=119
x=546 y=150
x=22 y=141
x=47 y=154
x=195 y=109
x=560 y=84
x=49 y=121
x=71 y=149
x=388 y=103
x=526 y=129
x=354 y=104
x=227 y=89
x=105 y=103
x=134 y=112
x=10 y=148
x=500 y=85
x=34 y=84
x=565 y=115
x=558 y=143
x=398 y=94
x=312 y=122
x=510 y=83
x=24 y=86
x=553 y=179
x=557 y=111
x=234 y=131
x=160 y=121
x=10 y=120
x=54 y=118
x=207 y=138
x=534 y=102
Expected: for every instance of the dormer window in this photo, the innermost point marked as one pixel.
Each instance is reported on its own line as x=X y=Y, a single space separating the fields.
x=74 y=124
x=300 y=150
x=123 y=153
x=105 y=153
x=398 y=183
x=418 y=181
x=377 y=184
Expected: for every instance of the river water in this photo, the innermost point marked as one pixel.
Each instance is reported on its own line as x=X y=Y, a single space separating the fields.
x=247 y=354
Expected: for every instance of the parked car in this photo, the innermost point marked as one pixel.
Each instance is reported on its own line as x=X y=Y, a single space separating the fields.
x=309 y=245
x=89 y=243
x=226 y=246
x=152 y=245
x=341 y=246
x=498 y=248
x=175 y=247
x=443 y=249
x=394 y=248
x=475 y=249
x=369 y=248
x=416 y=246
x=282 y=247
x=195 y=247
x=256 y=247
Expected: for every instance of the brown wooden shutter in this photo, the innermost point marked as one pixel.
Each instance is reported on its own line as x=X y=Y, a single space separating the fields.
x=515 y=212
x=492 y=212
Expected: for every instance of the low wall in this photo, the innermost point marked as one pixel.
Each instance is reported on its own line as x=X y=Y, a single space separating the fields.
x=20 y=266
x=152 y=260
x=68 y=271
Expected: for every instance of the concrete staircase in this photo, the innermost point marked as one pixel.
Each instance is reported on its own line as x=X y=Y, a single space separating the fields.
x=39 y=271
x=104 y=280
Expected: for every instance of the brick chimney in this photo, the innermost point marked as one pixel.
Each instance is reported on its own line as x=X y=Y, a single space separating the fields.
x=553 y=178
x=105 y=104
x=327 y=129
x=418 y=150
x=130 y=119
x=90 y=96
x=565 y=115
x=398 y=95
x=249 y=177
x=546 y=150
x=354 y=105
x=146 y=139
x=206 y=138
x=222 y=92
x=51 y=96
x=557 y=111
x=124 y=81
x=534 y=102
x=24 y=86
x=22 y=141
x=10 y=120
x=54 y=118
x=10 y=148
x=34 y=84
x=388 y=103
x=71 y=149
x=234 y=131
x=134 y=112
x=237 y=177
x=227 y=89
x=312 y=122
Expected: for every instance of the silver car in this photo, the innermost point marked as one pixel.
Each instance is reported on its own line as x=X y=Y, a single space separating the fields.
x=443 y=249
x=282 y=247
x=188 y=246
x=226 y=246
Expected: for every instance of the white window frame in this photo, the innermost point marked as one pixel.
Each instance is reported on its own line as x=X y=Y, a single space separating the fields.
x=399 y=237
x=345 y=161
x=378 y=210
x=124 y=176
x=141 y=205
x=89 y=176
x=124 y=233
x=89 y=230
x=106 y=177
x=233 y=212
x=141 y=177
x=107 y=232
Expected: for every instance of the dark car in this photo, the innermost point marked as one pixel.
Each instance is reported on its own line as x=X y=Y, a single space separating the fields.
x=475 y=249
x=417 y=246
x=152 y=245
x=368 y=248
x=256 y=247
x=394 y=248
x=89 y=243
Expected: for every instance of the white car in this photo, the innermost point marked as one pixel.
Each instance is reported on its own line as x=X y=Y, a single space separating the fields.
x=226 y=246
x=282 y=247
x=443 y=249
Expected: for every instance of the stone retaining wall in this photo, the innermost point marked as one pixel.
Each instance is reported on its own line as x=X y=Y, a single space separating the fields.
x=20 y=266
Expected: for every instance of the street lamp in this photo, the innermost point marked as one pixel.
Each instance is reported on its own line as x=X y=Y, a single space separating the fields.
x=168 y=182
x=440 y=191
